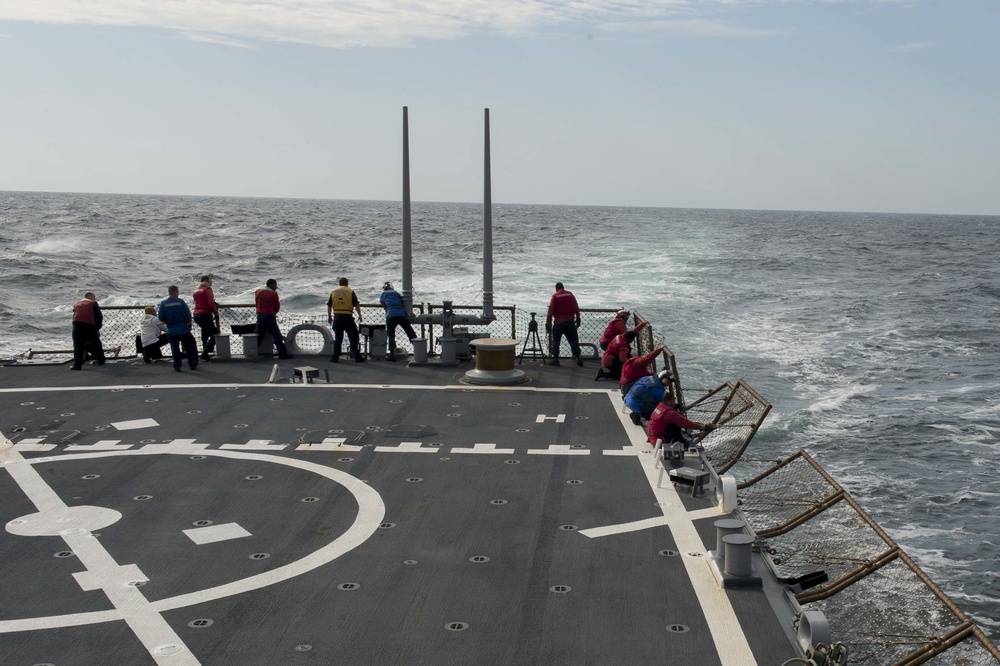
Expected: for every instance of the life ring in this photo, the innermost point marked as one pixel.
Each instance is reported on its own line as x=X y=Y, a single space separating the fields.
x=322 y=330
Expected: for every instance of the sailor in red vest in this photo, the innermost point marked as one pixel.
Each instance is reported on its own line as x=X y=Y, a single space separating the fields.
x=563 y=318
x=206 y=315
x=615 y=356
x=268 y=304
x=616 y=327
x=87 y=321
x=666 y=423
x=635 y=369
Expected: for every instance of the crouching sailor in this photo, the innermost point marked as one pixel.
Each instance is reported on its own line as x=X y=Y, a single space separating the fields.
x=645 y=395
x=666 y=423
x=616 y=327
x=153 y=335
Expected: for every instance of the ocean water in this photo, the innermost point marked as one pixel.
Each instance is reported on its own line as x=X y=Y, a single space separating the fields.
x=875 y=337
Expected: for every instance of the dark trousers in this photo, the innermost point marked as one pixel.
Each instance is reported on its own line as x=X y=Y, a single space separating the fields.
x=647 y=407
x=153 y=351
x=567 y=328
x=344 y=323
x=86 y=339
x=674 y=433
x=206 y=323
x=268 y=325
x=615 y=371
x=190 y=349
x=390 y=324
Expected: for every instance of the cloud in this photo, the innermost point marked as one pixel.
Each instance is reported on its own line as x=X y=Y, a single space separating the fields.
x=912 y=46
x=389 y=23
x=215 y=39
x=692 y=27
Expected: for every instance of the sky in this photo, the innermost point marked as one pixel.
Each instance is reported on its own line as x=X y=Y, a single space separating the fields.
x=840 y=105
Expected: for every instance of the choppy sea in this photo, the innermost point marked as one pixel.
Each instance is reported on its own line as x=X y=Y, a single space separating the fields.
x=876 y=337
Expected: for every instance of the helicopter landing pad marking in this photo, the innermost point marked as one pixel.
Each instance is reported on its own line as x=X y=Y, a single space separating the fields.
x=103 y=572
x=329 y=444
x=559 y=450
x=182 y=446
x=630 y=451
x=255 y=445
x=482 y=448
x=103 y=445
x=54 y=520
x=214 y=533
x=33 y=444
x=143 y=616
x=136 y=424
x=405 y=447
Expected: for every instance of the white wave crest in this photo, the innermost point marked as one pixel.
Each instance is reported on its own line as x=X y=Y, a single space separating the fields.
x=53 y=246
x=836 y=398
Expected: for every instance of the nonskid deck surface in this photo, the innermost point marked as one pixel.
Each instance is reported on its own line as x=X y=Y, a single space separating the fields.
x=355 y=524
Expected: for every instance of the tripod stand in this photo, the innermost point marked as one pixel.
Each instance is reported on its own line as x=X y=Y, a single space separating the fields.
x=536 y=342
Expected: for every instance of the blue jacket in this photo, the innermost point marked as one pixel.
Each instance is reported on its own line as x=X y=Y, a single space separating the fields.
x=647 y=387
x=393 y=303
x=175 y=313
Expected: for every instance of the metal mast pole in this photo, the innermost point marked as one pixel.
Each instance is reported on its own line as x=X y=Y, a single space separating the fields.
x=487 y=228
x=407 y=242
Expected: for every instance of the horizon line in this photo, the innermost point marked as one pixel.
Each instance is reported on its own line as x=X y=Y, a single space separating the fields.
x=500 y=203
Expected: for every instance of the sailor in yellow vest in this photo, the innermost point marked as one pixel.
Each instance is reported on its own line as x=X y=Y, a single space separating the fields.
x=338 y=313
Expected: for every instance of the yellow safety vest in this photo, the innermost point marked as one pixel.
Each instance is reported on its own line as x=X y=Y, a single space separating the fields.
x=342 y=299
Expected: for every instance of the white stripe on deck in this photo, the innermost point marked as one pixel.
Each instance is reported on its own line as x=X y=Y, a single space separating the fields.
x=482 y=447
x=559 y=450
x=406 y=447
x=727 y=633
x=329 y=444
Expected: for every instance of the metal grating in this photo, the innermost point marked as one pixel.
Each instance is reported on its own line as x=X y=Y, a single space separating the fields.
x=738 y=411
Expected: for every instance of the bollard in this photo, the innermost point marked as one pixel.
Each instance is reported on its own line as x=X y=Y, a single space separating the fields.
x=448 y=349
x=419 y=350
x=250 y=346
x=222 y=349
x=738 y=554
x=378 y=343
x=723 y=528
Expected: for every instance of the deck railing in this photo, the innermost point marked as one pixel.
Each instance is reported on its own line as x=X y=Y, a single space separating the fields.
x=122 y=323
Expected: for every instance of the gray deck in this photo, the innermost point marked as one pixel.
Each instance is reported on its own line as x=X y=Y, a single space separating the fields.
x=405 y=523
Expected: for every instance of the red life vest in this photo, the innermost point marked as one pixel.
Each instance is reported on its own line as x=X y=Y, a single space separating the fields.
x=83 y=311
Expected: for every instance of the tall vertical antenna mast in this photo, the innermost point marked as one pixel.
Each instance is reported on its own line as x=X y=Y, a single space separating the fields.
x=407 y=242
x=487 y=227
